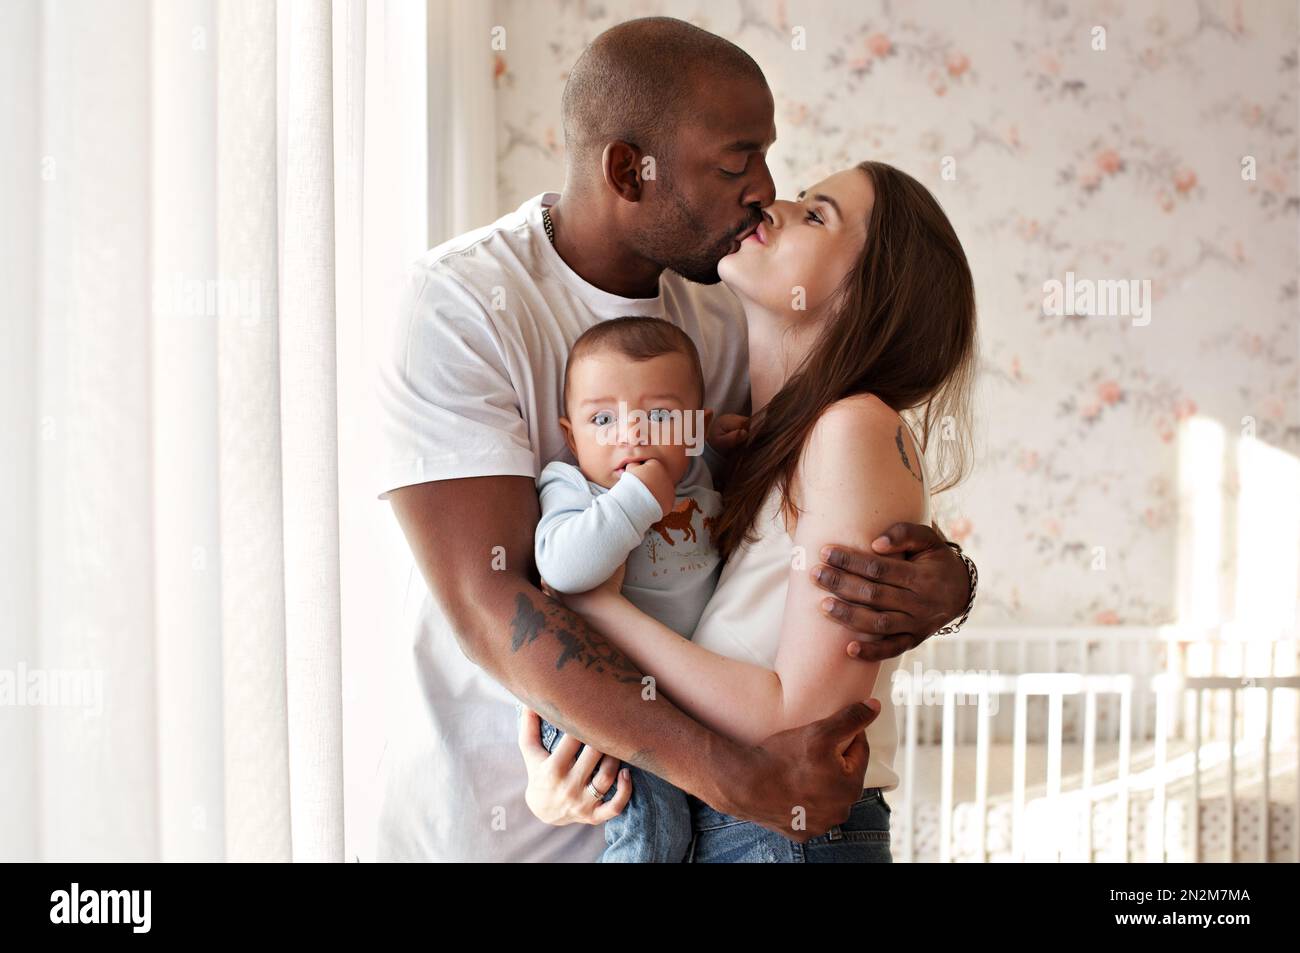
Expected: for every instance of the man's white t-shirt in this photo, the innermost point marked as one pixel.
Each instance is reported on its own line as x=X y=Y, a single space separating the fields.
x=470 y=386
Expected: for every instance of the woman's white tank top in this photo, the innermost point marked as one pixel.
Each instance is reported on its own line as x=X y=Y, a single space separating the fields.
x=743 y=621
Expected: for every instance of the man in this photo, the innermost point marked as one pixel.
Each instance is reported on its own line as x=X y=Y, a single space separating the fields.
x=666 y=132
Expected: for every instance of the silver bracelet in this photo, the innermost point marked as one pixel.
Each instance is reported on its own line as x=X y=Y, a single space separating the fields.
x=974 y=583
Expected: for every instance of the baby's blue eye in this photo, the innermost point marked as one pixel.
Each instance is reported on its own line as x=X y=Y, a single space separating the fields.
x=603 y=419
x=660 y=415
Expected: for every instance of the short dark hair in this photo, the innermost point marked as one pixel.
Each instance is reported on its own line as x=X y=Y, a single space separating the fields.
x=639 y=338
x=634 y=83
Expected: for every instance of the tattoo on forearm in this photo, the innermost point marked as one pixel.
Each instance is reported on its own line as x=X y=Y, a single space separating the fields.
x=576 y=641
x=902 y=452
x=527 y=625
x=531 y=624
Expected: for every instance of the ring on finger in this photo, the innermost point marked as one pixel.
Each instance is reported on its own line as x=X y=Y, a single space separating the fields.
x=591 y=789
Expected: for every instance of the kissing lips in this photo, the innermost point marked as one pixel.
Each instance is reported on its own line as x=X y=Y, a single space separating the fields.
x=739 y=240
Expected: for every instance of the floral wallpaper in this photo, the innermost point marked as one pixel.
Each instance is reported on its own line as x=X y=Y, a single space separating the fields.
x=1153 y=143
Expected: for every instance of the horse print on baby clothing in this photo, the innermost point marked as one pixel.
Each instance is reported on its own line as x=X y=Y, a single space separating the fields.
x=588 y=530
x=678 y=518
x=680 y=542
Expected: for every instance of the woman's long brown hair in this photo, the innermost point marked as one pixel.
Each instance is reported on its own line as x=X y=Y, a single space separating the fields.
x=902 y=328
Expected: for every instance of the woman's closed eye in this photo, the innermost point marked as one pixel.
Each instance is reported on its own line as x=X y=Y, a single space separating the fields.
x=814 y=217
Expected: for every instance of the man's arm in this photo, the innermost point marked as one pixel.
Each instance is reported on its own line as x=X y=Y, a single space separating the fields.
x=473 y=541
x=897 y=594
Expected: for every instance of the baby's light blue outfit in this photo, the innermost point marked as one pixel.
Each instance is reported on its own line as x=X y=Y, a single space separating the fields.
x=586 y=532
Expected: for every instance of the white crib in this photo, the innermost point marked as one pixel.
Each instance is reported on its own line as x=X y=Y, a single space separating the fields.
x=1099 y=744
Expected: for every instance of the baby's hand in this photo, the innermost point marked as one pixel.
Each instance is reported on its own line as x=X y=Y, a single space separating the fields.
x=655 y=477
x=728 y=431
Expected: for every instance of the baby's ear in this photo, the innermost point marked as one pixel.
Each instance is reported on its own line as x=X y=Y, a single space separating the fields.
x=567 y=427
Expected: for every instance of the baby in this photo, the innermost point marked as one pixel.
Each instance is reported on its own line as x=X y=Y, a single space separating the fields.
x=641 y=494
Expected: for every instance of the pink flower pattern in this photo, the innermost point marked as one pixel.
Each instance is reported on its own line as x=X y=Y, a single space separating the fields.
x=1127 y=163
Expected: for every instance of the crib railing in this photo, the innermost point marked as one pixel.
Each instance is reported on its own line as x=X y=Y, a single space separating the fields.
x=1234 y=687
x=1159 y=670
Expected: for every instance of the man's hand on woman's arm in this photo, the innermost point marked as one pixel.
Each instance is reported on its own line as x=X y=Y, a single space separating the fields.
x=909 y=586
x=473 y=541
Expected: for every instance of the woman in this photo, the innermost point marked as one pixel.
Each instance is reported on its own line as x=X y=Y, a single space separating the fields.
x=860 y=307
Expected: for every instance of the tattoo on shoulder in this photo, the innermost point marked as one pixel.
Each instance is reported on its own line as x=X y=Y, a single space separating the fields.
x=575 y=641
x=902 y=452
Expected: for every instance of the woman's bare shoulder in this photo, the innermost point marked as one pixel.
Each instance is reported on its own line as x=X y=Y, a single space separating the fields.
x=860 y=440
x=859 y=416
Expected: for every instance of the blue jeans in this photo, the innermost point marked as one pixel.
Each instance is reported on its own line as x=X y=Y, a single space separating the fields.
x=655 y=826
x=862 y=839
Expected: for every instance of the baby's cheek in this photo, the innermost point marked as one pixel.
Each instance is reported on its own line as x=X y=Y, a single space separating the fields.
x=676 y=461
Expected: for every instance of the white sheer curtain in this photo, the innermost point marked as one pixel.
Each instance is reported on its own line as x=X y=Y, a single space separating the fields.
x=207 y=205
